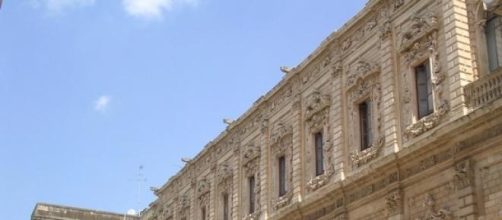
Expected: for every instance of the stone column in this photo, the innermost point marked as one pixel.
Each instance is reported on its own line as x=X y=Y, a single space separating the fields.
x=236 y=192
x=458 y=55
x=389 y=115
x=264 y=176
x=336 y=117
x=298 y=150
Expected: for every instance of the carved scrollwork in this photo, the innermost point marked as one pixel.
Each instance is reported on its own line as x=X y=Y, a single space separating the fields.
x=418 y=28
x=360 y=71
x=360 y=158
x=317 y=182
x=317 y=110
x=428 y=122
x=280 y=132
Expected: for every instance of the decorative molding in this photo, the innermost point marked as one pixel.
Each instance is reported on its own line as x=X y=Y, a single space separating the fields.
x=359 y=158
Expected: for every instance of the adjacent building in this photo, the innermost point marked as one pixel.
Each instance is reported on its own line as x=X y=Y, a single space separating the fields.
x=397 y=115
x=57 y=212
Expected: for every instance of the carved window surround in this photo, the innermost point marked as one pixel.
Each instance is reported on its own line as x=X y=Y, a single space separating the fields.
x=281 y=142
x=251 y=165
x=317 y=118
x=224 y=185
x=366 y=86
x=419 y=44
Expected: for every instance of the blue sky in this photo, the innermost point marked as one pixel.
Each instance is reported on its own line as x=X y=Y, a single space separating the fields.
x=92 y=89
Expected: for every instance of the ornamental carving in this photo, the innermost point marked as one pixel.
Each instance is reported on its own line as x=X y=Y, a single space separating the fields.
x=223 y=172
x=385 y=29
x=203 y=187
x=280 y=132
x=282 y=145
x=360 y=158
x=419 y=42
x=283 y=201
x=417 y=29
x=250 y=154
x=360 y=70
x=317 y=182
x=257 y=191
x=427 y=123
x=393 y=203
x=314 y=183
x=317 y=110
x=463 y=175
x=367 y=88
x=184 y=202
x=432 y=212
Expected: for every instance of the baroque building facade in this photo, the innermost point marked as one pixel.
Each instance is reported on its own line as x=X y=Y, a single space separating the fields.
x=397 y=115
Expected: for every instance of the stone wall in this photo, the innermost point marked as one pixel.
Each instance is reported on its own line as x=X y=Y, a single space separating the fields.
x=446 y=165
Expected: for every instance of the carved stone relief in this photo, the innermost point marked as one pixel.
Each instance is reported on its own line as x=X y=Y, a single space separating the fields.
x=432 y=212
x=316 y=112
x=463 y=174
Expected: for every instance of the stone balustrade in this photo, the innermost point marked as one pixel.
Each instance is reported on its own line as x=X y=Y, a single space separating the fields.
x=485 y=90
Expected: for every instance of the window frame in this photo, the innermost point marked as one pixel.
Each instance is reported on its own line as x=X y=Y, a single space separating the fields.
x=319 y=153
x=421 y=94
x=252 y=195
x=365 y=124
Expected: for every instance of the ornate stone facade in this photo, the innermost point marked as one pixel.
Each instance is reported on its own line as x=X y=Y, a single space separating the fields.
x=444 y=165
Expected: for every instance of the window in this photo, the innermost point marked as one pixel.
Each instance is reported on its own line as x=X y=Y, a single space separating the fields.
x=282 y=176
x=225 y=207
x=423 y=82
x=252 y=196
x=365 y=124
x=203 y=213
x=494 y=42
x=319 y=163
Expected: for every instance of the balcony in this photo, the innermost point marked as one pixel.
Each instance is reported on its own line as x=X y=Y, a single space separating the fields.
x=484 y=91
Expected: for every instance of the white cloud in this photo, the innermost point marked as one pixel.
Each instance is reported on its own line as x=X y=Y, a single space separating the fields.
x=60 y=5
x=151 y=9
x=101 y=104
